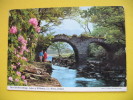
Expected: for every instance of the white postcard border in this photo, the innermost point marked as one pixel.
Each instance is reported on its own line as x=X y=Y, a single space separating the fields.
x=69 y=89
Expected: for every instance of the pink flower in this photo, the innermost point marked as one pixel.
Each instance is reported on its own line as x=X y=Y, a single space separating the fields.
x=25 y=82
x=13 y=30
x=18 y=55
x=38 y=29
x=18 y=73
x=25 y=41
x=18 y=63
x=21 y=52
x=24 y=58
x=20 y=38
x=33 y=21
x=23 y=77
x=10 y=78
x=13 y=66
x=27 y=50
x=17 y=80
x=24 y=47
x=24 y=44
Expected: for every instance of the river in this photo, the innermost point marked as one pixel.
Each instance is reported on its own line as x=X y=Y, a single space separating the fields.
x=70 y=78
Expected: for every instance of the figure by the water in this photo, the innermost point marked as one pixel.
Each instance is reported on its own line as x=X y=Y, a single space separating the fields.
x=41 y=55
x=45 y=56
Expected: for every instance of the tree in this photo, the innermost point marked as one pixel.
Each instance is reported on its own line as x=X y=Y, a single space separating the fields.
x=54 y=16
x=109 y=22
x=24 y=37
x=23 y=32
x=44 y=42
x=96 y=51
x=59 y=46
x=83 y=22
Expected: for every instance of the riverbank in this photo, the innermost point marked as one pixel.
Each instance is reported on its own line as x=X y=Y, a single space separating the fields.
x=70 y=78
x=63 y=55
x=107 y=71
x=39 y=74
x=68 y=62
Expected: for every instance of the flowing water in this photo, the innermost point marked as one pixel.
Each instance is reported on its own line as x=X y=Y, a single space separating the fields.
x=69 y=78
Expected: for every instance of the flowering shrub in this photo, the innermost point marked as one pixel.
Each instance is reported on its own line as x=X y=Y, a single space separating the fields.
x=13 y=30
x=37 y=29
x=23 y=32
x=33 y=21
x=23 y=38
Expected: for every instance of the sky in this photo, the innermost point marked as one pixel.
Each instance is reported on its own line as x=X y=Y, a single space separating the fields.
x=69 y=26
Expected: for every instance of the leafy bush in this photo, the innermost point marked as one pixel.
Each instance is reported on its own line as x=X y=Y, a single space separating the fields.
x=23 y=33
x=96 y=51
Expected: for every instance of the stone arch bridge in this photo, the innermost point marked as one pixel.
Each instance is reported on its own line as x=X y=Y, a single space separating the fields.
x=80 y=46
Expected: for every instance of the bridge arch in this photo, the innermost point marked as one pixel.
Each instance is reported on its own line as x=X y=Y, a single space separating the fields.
x=66 y=39
x=101 y=42
x=80 y=45
x=109 y=50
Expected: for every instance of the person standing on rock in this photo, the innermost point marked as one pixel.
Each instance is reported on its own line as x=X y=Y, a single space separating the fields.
x=41 y=55
x=45 y=56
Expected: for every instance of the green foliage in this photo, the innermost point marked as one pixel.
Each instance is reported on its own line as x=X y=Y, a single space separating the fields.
x=16 y=61
x=59 y=46
x=17 y=58
x=54 y=16
x=119 y=52
x=44 y=42
x=85 y=35
x=96 y=51
x=109 y=22
x=74 y=35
